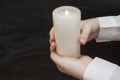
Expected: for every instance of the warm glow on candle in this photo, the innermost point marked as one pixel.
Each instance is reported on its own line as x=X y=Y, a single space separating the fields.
x=66 y=13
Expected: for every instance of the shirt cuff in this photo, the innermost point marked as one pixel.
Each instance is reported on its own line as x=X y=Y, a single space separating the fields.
x=108 y=29
x=99 y=69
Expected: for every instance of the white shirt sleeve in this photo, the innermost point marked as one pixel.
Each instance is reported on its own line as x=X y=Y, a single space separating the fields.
x=109 y=28
x=100 y=69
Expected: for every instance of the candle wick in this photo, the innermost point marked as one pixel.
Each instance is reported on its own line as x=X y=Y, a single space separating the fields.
x=66 y=13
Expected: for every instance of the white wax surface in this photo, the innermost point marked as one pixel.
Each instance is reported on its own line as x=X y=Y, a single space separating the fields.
x=67 y=30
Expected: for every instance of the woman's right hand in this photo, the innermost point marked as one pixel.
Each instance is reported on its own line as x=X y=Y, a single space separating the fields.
x=89 y=30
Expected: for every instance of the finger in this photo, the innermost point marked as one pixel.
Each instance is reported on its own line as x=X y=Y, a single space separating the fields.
x=84 y=34
x=91 y=37
x=52 y=36
x=51 y=49
x=53 y=46
x=55 y=58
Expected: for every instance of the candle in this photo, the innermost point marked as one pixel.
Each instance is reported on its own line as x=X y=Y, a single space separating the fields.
x=66 y=21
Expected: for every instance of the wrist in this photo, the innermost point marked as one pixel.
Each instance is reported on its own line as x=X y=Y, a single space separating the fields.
x=86 y=60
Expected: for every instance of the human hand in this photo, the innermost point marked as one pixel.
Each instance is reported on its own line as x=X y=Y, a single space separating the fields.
x=71 y=66
x=89 y=30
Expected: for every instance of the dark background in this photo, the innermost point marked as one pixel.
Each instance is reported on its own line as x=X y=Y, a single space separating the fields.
x=24 y=28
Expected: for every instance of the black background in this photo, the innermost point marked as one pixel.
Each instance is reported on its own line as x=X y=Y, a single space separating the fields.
x=24 y=28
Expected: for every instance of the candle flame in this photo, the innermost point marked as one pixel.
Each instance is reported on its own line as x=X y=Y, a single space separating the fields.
x=66 y=13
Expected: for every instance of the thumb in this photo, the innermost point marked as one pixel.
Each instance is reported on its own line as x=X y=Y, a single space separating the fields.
x=55 y=58
x=85 y=32
x=62 y=61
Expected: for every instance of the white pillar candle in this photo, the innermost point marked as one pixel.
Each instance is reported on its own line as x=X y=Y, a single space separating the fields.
x=66 y=21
